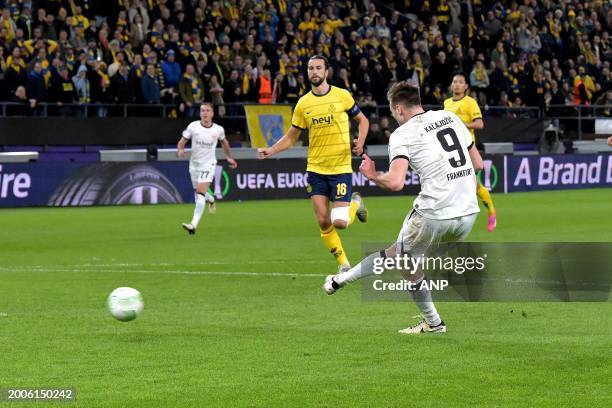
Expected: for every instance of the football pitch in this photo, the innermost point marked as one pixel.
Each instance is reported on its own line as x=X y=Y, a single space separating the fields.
x=235 y=315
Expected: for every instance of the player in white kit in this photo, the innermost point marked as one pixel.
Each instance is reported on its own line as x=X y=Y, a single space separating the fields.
x=439 y=148
x=204 y=136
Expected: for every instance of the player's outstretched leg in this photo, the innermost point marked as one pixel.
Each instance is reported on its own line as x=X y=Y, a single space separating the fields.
x=358 y=208
x=487 y=200
x=421 y=295
x=361 y=270
x=200 y=205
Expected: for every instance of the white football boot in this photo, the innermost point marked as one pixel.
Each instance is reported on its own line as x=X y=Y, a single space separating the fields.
x=189 y=228
x=424 y=327
x=362 y=211
x=331 y=286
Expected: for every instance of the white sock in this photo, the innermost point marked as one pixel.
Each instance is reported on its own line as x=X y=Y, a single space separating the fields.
x=200 y=205
x=361 y=270
x=422 y=298
x=209 y=198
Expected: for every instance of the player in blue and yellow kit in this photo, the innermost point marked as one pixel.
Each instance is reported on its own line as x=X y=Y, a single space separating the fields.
x=468 y=111
x=325 y=113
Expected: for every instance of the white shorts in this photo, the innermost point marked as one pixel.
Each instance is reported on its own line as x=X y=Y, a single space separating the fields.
x=419 y=234
x=202 y=173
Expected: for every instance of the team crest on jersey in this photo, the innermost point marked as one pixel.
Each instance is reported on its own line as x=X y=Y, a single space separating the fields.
x=332 y=108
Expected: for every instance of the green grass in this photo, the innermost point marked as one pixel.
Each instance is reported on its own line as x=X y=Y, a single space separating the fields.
x=216 y=337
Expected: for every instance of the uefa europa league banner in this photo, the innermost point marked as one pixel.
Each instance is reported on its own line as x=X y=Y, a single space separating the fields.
x=73 y=184
x=76 y=184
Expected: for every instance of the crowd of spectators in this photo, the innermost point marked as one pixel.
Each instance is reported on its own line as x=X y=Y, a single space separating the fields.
x=183 y=52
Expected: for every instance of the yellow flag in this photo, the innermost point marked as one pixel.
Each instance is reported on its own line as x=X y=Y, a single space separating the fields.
x=267 y=123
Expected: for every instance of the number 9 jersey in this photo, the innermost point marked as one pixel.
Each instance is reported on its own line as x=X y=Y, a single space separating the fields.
x=436 y=144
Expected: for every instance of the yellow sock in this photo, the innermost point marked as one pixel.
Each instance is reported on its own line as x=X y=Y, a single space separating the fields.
x=486 y=198
x=331 y=239
x=353 y=211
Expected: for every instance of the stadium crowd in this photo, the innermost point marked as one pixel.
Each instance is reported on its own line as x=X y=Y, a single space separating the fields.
x=183 y=52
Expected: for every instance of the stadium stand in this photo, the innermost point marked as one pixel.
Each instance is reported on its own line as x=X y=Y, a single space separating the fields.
x=79 y=57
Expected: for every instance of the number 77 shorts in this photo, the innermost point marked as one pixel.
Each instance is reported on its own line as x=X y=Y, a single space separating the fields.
x=335 y=186
x=203 y=173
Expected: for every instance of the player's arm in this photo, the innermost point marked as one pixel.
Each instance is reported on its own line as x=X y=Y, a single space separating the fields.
x=476 y=158
x=476 y=124
x=476 y=121
x=228 y=154
x=392 y=180
x=284 y=143
x=353 y=111
x=364 y=125
x=180 y=146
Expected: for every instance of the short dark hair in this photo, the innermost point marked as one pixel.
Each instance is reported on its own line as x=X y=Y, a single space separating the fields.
x=405 y=93
x=464 y=75
x=320 y=57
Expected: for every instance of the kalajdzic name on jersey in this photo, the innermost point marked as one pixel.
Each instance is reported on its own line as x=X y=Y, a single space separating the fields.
x=436 y=144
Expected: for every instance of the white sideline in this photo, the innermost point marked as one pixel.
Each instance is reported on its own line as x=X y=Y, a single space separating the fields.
x=66 y=268
x=95 y=265
x=71 y=268
x=170 y=272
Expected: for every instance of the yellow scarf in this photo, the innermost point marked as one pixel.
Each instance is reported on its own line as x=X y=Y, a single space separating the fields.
x=233 y=12
x=17 y=64
x=105 y=79
x=245 y=84
x=282 y=67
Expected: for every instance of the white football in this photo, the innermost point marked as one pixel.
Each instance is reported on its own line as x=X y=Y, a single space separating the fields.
x=125 y=304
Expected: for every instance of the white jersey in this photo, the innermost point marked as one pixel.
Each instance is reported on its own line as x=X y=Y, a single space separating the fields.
x=203 y=143
x=436 y=145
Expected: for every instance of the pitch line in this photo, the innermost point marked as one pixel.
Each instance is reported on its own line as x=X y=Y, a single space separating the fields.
x=169 y=272
x=129 y=264
x=35 y=268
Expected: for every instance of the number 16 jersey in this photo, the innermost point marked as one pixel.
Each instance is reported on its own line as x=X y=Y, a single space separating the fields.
x=436 y=145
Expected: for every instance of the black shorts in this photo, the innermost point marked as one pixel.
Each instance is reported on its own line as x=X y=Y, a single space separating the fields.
x=337 y=187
